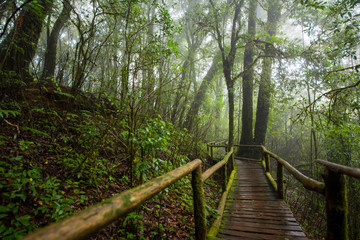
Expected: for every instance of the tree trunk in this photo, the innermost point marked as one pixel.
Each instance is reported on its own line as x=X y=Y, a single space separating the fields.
x=50 y=55
x=18 y=48
x=265 y=88
x=218 y=107
x=180 y=91
x=200 y=94
x=248 y=79
x=263 y=104
x=231 y=91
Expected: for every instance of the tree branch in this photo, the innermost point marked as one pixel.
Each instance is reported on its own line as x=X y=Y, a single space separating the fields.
x=342 y=69
x=12 y=15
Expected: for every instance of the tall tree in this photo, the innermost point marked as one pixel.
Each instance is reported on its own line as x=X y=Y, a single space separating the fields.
x=200 y=94
x=248 y=78
x=194 y=36
x=265 y=88
x=52 y=40
x=228 y=56
x=19 y=46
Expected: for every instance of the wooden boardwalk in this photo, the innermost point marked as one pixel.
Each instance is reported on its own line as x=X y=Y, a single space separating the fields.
x=253 y=210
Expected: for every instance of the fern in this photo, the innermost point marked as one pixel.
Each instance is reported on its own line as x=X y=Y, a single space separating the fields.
x=35 y=131
x=5 y=113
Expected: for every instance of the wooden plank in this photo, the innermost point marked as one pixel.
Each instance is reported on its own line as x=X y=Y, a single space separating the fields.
x=265 y=211
x=261 y=220
x=283 y=226
x=264 y=216
x=254 y=211
x=236 y=235
x=277 y=232
x=246 y=208
x=282 y=218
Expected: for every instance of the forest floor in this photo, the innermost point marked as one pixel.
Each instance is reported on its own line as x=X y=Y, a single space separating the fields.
x=60 y=154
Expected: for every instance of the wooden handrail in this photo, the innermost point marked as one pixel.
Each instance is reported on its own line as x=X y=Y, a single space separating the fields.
x=218 y=142
x=334 y=189
x=338 y=168
x=90 y=220
x=217 y=166
x=218 y=146
x=227 y=164
x=336 y=198
x=211 y=145
x=307 y=182
x=94 y=218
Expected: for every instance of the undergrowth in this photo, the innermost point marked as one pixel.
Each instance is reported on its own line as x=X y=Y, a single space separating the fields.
x=61 y=153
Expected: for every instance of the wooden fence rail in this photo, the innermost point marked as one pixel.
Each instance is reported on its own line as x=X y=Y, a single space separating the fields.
x=212 y=145
x=89 y=220
x=333 y=187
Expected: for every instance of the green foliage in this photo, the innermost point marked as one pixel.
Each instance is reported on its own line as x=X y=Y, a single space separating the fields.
x=133 y=224
x=6 y=113
x=157 y=144
x=22 y=185
x=11 y=109
x=312 y=3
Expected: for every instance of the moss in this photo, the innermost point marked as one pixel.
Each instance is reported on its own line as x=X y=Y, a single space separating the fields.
x=199 y=204
x=280 y=181
x=222 y=205
x=336 y=206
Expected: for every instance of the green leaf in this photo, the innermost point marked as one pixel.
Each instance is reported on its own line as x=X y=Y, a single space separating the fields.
x=4 y=209
x=5 y=113
x=2 y=228
x=35 y=131
x=25 y=220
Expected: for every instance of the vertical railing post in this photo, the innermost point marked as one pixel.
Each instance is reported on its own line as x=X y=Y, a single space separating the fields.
x=280 y=181
x=211 y=150
x=232 y=160
x=336 y=205
x=207 y=149
x=224 y=177
x=199 y=204
x=267 y=162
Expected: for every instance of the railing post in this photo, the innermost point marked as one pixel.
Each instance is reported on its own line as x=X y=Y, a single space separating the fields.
x=267 y=162
x=280 y=180
x=199 y=204
x=232 y=159
x=211 y=150
x=207 y=149
x=336 y=205
x=224 y=177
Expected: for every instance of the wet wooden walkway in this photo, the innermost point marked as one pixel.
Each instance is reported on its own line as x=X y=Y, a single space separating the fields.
x=253 y=210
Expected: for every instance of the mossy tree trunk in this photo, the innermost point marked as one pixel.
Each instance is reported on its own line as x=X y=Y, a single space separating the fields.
x=265 y=87
x=19 y=46
x=248 y=79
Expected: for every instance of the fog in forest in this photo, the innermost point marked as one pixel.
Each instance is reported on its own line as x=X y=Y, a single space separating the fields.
x=99 y=96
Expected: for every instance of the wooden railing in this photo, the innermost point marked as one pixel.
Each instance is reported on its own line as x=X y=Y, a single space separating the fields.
x=333 y=188
x=89 y=220
x=212 y=145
